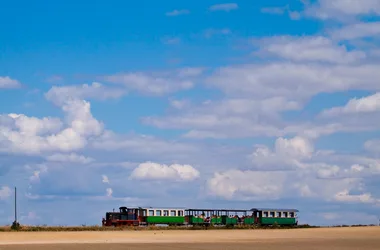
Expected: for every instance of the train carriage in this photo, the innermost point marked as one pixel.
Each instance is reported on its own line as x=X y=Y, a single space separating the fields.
x=270 y=216
x=169 y=216
x=144 y=216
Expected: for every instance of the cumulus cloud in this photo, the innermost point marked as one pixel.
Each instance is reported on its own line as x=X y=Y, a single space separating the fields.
x=60 y=95
x=294 y=169
x=33 y=136
x=287 y=153
x=366 y=104
x=265 y=98
x=156 y=171
x=8 y=83
x=246 y=185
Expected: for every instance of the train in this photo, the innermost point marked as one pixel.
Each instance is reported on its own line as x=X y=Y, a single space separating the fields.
x=146 y=216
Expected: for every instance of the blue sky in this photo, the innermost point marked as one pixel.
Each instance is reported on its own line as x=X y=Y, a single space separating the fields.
x=200 y=103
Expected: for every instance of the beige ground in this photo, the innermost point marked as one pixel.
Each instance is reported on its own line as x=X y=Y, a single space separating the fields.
x=326 y=238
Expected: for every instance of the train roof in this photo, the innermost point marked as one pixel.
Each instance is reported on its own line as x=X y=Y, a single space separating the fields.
x=217 y=209
x=178 y=208
x=275 y=209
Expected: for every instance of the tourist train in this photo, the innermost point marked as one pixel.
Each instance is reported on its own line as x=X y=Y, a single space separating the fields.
x=139 y=216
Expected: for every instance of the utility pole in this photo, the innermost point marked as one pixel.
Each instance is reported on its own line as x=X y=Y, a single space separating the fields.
x=15 y=225
x=15 y=204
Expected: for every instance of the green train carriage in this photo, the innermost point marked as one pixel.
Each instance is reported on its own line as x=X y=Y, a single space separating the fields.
x=183 y=217
x=168 y=216
x=270 y=216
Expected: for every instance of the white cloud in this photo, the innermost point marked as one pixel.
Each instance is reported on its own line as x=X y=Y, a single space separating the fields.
x=293 y=80
x=274 y=185
x=8 y=83
x=241 y=116
x=357 y=30
x=5 y=193
x=156 y=171
x=343 y=9
x=256 y=94
x=308 y=48
x=368 y=104
x=372 y=145
x=246 y=185
x=73 y=158
x=109 y=192
x=224 y=7
x=253 y=100
x=157 y=83
x=294 y=15
x=62 y=94
x=179 y=104
x=105 y=179
x=142 y=144
x=287 y=154
x=296 y=147
x=30 y=126
x=33 y=136
x=293 y=168
x=37 y=171
x=178 y=12
x=344 y=196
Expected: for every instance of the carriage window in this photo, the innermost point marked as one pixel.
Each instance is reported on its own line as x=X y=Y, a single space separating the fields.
x=180 y=213
x=158 y=212
x=265 y=214
x=172 y=213
x=278 y=214
x=151 y=212
x=291 y=214
x=166 y=212
x=271 y=214
x=285 y=214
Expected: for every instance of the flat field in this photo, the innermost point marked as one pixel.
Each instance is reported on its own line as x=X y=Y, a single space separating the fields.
x=314 y=238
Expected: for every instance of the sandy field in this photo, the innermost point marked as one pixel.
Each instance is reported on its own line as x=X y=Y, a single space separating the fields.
x=318 y=238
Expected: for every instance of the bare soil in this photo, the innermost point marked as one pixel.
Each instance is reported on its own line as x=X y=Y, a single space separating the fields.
x=317 y=238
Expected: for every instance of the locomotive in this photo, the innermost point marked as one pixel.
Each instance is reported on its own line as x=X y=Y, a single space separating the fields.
x=145 y=216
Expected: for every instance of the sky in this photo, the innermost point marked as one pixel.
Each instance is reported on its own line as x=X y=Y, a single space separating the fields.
x=199 y=104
